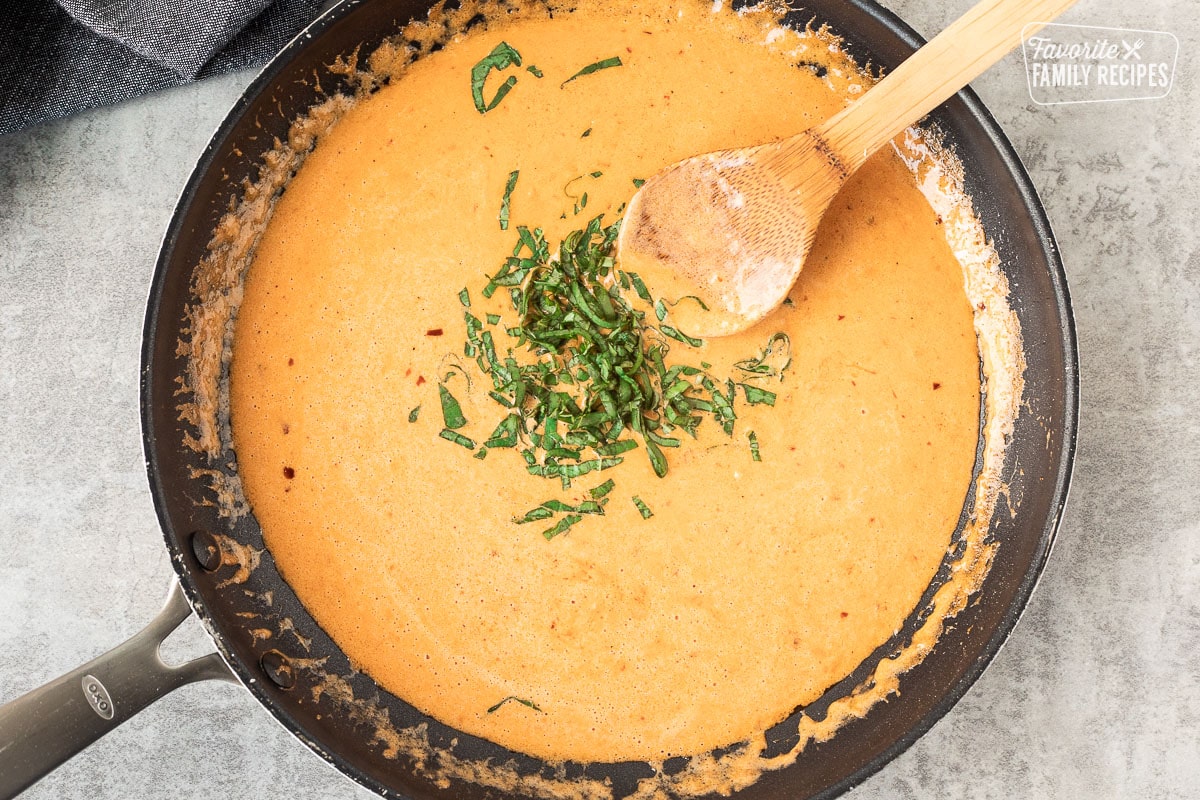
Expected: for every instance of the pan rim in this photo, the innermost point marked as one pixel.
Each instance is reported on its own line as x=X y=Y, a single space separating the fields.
x=977 y=115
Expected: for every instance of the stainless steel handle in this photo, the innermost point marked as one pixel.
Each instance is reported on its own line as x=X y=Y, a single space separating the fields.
x=46 y=727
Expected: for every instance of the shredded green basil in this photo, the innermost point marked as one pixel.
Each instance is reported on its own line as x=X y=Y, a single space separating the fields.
x=502 y=56
x=551 y=507
x=457 y=438
x=642 y=508
x=596 y=379
x=681 y=336
x=585 y=376
x=505 y=201
x=412 y=415
x=615 y=61
x=772 y=362
x=514 y=698
x=451 y=410
x=562 y=527
x=756 y=396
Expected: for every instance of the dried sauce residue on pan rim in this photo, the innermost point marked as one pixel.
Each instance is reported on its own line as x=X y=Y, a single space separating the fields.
x=206 y=346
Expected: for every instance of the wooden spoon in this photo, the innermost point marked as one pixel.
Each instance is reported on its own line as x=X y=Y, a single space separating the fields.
x=733 y=227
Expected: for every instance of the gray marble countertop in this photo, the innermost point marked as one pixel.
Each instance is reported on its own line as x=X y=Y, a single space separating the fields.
x=1095 y=695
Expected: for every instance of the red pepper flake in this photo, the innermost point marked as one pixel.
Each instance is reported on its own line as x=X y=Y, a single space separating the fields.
x=291 y=361
x=936 y=386
x=289 y=473
x=845 y=614
x=841 y=317
x=434 y=332
x=286 y=429
x=420 y=379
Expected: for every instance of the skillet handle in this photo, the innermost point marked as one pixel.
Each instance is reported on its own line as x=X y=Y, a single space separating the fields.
x=46 y=727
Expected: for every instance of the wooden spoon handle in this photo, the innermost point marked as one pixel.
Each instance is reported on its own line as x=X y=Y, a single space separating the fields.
x=932 y=75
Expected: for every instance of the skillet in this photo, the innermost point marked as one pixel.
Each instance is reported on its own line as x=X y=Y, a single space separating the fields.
x=304 y=679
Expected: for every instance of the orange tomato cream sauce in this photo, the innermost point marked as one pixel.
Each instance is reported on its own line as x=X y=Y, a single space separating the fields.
x=678 y=614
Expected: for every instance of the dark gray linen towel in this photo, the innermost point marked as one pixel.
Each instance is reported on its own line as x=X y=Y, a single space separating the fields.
x=57 y=58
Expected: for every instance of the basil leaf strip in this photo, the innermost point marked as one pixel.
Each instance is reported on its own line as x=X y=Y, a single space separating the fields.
x=502 y=56
x=642 y=508
x=615 y=61
x=457 y=438
x=504 y=202
x=756 y=396
x=451 y=410
x=563 y=526
x=522 y=701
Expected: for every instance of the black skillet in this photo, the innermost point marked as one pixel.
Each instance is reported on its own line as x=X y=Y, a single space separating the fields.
x=48 y=726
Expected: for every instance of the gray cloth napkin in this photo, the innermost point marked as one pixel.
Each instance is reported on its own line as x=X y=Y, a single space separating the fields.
x=57 y=58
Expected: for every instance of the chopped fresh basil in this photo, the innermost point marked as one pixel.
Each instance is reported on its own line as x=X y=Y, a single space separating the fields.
x=533 y=515
x=412 y=415
x=522 y=701
x=681 y=336
x=451 y=410
x=756 y=396
x=505 y=201
x=772 y=362
x=505 y=434
x=691 y=297
x=642 y=508
x=563 y=526
x=754 y=454
x=639 y=286
x=615 y=61
x=501 y=57
x=457 y=438
x=584 y=374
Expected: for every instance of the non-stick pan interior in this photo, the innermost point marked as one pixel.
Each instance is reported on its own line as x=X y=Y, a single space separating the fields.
x=304 y=679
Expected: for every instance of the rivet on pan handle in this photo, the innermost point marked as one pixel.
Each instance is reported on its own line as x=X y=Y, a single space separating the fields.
x=46 y=727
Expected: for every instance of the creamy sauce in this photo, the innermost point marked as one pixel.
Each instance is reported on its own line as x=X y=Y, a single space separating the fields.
x=755 y=585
